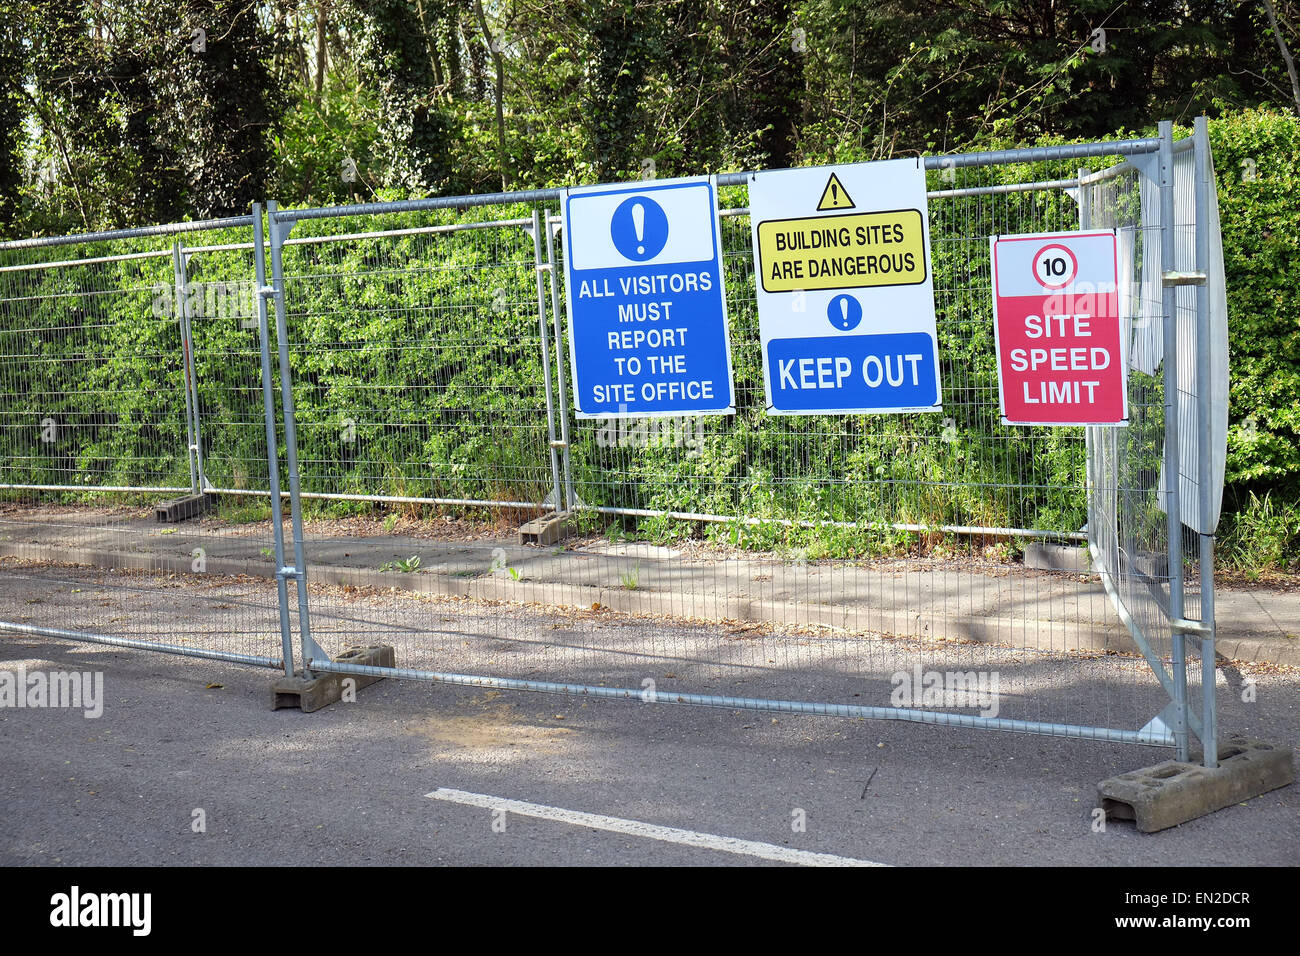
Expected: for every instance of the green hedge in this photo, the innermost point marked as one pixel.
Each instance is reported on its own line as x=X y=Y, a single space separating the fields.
x=417 y=372
x=1257 y=165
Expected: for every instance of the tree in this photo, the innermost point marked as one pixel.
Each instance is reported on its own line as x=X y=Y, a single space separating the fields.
x=393 y=55
x=13 y=67
x=147 y=113
x=1285 y=50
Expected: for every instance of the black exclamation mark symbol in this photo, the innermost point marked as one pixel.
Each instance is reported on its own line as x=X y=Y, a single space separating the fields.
x=835 y=195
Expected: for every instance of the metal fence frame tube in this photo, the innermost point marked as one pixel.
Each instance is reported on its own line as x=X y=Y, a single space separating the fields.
x=192 y=375
x=1180 y=146
x=1173 y=474
x=1119 y=147
x=538 y=268
x=92 y=638
x=99 y=489
x=90 y=261
x=290 y=433
x=179 y=284
x=171 y=229
x=382 y=499
x=1090 y=435
x=1204 y=468
x=272 y=444
x=560 y=342
x=416 y=205
x=1004 y=189
x=317 y=240
x=1151 y=738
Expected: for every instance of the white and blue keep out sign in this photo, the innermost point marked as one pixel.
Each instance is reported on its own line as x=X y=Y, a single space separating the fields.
x=647 y=309
x=844 y=287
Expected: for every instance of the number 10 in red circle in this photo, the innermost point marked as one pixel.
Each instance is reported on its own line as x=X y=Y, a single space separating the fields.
x=1055 y=266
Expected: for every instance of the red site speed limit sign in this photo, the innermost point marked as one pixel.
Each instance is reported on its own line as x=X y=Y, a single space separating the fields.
x=1061 y=354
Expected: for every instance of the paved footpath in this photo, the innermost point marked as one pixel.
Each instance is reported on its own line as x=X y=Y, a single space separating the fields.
x=980 y=602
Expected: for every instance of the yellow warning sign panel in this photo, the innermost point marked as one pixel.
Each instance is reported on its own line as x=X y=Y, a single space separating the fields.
x=854 y=251
x=834 y=196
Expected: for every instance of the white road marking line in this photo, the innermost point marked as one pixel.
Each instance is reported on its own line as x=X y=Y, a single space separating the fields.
x=704 y=841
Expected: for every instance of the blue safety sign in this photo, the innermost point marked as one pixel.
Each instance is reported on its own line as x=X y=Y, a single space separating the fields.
x=867 y=372
x=647 y=308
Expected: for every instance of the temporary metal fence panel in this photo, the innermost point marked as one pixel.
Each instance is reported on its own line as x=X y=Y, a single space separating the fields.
x=402 y=365
x=850 y=565
x=1154 y=549
x=120 y=363
x=862 y=556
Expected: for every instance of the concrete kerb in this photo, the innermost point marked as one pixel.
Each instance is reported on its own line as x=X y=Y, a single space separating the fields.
x=932 y=623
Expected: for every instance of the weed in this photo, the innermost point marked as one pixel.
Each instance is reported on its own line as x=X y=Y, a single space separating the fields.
x=1262 y=536
x=406 y=567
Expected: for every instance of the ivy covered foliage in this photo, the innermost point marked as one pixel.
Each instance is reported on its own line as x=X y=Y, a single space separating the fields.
x=118 y=114
x=410 y=353
x=1257 y=167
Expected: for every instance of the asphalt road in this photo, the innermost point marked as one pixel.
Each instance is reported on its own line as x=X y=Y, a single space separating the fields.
x=349 y=784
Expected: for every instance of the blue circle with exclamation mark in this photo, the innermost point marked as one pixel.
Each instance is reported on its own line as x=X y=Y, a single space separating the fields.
x=639 y=228
x=844 y=312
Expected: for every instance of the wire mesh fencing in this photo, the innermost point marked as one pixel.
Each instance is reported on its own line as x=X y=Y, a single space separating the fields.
x=396 y=373
x=417 y=357
x=124 y=360
x=878 y=566
x=1152 y=538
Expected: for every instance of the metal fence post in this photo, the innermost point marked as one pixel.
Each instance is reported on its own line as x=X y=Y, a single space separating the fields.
x=1204 y=467
x=796 y=459
x=1173 y=474
x=1091 y=436
x=272 y=443
x=193 y=377
x=310 y=649
x=569 y=498
x=181 y=286
x=539 y=267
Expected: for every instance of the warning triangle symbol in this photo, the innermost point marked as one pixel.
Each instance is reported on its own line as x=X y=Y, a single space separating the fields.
x=834 y=196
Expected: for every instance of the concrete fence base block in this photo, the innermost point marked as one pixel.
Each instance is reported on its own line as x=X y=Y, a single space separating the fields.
x=1152 y=564
x=1058 y=557
x=313 y=693
x=191 y=506
x=1172 y=792
x=544 y=531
